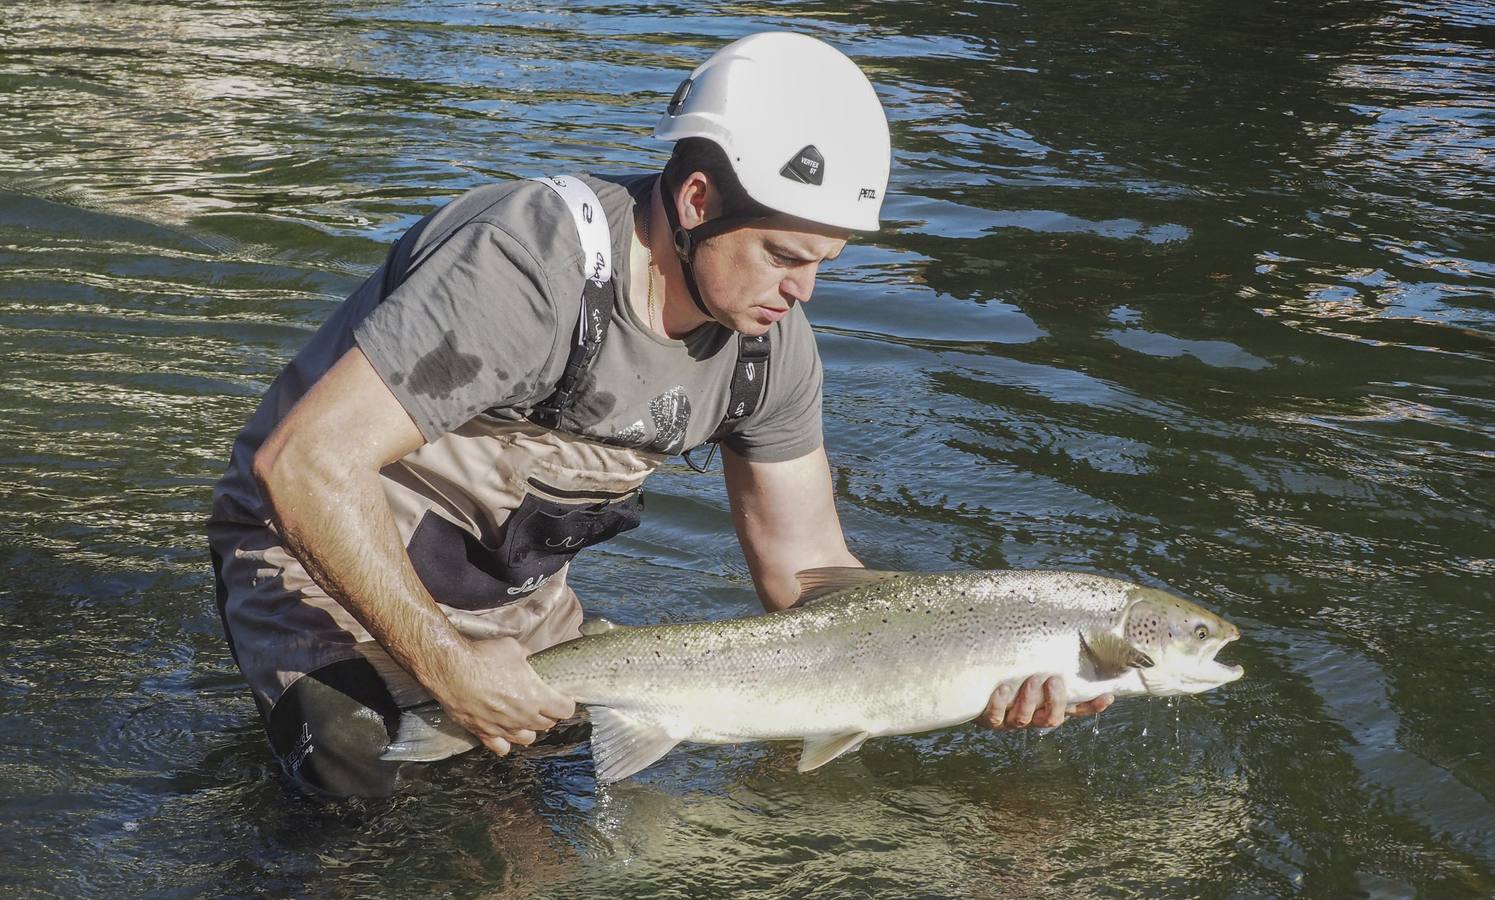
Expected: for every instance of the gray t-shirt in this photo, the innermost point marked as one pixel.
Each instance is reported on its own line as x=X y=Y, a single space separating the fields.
x=485 y=306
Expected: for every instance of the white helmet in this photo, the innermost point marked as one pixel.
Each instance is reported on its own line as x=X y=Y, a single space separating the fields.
x=800 y=124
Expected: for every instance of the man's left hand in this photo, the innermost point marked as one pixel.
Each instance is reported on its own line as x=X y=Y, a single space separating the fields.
x=1041 y=702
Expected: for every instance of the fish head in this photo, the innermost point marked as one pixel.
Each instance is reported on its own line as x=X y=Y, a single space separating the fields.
x=1181 y=639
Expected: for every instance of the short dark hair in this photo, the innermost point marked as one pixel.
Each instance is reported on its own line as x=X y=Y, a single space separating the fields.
x=695 y=154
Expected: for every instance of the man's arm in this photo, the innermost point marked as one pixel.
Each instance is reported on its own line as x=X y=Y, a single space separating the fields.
x=319 y=471
x=785 y=513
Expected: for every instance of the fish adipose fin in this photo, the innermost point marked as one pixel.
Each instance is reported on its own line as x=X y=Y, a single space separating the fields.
x=594 y=627
x=821 y=750
x=815 y=584
x=623 y=745
x=1110 y=656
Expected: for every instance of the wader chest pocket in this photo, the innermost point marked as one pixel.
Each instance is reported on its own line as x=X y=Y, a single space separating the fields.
x=551 y=525
x=538 y=539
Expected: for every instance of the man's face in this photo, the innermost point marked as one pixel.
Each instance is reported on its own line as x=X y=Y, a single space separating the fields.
x=751 y=277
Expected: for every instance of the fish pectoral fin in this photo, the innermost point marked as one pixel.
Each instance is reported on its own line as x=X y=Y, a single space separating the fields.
x=623 y=744
x=815 y=584
x=821 y=750
x=1110 y=656
x=427 y=734
x=403 y=687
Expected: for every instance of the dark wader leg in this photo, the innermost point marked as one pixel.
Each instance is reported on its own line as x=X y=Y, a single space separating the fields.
x=329 y=728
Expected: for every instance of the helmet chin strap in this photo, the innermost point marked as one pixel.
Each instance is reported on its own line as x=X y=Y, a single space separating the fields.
x=687 y=240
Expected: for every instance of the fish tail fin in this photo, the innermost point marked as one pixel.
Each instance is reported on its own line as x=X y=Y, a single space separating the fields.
x=426 y=735
x=403 y=688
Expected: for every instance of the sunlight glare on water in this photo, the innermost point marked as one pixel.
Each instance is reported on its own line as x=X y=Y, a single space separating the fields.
x=1198 y=297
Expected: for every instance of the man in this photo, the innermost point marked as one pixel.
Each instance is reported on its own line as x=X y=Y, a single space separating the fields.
x=491 y=400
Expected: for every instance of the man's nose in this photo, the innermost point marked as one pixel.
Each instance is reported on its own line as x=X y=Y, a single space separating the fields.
x=799 y=286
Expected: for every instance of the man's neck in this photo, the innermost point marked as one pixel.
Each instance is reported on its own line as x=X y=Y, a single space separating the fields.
x=675 y=313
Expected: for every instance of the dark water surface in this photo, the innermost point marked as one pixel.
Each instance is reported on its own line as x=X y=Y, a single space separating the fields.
x=1198 y=294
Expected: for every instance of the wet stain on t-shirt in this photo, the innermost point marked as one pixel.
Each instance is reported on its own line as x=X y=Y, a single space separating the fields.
x=594 y=406
x=445 y=369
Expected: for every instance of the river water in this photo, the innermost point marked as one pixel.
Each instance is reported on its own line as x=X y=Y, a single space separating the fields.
x=1197 y=294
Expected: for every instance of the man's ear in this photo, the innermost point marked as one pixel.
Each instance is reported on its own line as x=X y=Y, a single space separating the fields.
x=698 y=200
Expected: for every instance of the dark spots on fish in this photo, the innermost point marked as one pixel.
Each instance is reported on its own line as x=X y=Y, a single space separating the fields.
x=885 y=621
x=444 y=370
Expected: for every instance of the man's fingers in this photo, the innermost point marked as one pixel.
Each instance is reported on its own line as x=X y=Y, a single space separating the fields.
x=1055 y=693
x=996 y=707
x=1020 y=713
x=1092 y=706
x=531 y=720
x=557 y=707
x=498 y=745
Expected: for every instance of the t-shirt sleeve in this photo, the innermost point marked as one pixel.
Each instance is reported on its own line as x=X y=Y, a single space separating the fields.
x=786 y=424
x=472 y=327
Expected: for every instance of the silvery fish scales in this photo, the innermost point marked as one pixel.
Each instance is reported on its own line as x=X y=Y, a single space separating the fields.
x=879 y=654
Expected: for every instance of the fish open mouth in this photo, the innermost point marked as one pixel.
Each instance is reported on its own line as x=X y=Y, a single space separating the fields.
x=1223 y=673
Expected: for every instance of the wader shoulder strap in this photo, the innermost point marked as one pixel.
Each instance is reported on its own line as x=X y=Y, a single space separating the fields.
x=749 y=380
x=599 y=293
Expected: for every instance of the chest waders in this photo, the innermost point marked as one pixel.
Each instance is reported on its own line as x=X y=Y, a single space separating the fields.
x=491 y=513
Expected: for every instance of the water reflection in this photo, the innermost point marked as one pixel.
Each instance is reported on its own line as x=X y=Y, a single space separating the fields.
x=1194 y=295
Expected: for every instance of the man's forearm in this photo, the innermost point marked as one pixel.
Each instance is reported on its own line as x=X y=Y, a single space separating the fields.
x=337 y=523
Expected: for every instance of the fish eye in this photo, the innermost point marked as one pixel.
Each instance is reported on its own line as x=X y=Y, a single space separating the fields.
x=1201 y=631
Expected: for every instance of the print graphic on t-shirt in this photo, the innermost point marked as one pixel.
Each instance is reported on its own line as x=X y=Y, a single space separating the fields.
x=632 y=436
x=671 y=411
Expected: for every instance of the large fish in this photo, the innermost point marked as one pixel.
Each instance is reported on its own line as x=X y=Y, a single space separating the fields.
x=864 y=654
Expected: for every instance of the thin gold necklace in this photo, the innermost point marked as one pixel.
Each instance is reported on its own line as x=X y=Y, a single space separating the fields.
x=650 y=250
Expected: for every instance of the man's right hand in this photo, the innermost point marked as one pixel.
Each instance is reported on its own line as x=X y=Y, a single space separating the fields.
x=492 y=692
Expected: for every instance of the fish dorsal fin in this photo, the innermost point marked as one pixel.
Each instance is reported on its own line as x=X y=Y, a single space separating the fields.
x=594 y=627
x=623 y=745
x=821 y=750
x=1111 y=656
x=816 y=584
